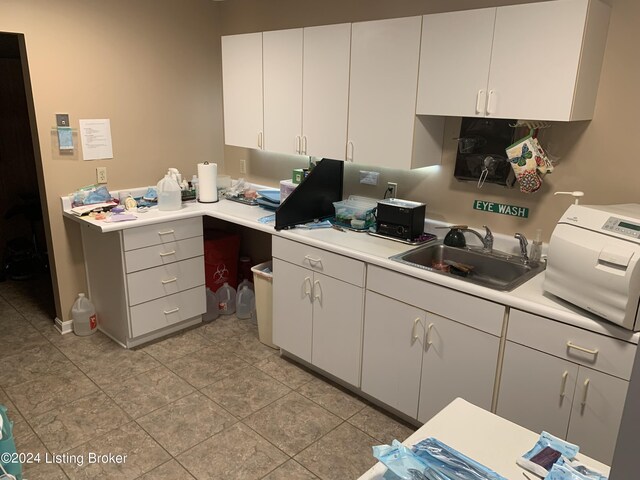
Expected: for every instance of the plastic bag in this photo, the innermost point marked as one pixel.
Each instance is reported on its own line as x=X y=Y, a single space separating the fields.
x=547 y=451
x=8 y=446
x=567 y=472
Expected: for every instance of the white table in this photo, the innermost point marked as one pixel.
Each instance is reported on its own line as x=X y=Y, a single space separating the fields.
x=482 y=436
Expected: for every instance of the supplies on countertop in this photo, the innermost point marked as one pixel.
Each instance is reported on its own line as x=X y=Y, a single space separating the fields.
x=357 y=213
x=286 y=188
x=554 y=459
x=169 y=192
x=432 y=460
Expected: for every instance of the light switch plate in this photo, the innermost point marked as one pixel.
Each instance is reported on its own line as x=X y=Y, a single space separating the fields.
x=101 y=174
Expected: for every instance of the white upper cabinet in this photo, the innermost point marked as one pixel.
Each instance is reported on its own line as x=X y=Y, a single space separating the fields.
x=282 y=69
x=325 y=93
x=383 y=128
x=544 y=62
x=242 y=89
x=454 y=62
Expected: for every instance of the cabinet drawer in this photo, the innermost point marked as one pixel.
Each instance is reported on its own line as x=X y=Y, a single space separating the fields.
x=157 y=282
x=163 y=253
x=466 y=309
x=158 y=233
x=150 y=316
x=613 y=356
x=316 y=259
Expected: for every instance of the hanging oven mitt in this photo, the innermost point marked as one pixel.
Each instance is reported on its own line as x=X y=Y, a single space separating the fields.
x=542 y=160
x=523 y=161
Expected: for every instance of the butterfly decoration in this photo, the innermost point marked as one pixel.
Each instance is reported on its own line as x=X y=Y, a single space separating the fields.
x=524 y=156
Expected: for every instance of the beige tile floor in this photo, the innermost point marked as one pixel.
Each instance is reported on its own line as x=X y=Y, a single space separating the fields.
x=209 y=403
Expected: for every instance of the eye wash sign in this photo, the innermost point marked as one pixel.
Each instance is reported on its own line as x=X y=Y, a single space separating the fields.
x=502 y=208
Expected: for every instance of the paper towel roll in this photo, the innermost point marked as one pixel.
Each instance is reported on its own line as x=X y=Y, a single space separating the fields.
x=208 y=182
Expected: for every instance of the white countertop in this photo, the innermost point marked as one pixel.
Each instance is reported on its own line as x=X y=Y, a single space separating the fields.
x=529 y=297
x=482 y=436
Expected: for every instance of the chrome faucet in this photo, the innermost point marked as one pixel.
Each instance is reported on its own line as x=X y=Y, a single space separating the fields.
x=487 y=240
x=523 y=247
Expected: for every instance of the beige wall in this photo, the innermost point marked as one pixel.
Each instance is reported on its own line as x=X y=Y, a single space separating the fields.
x=151 y=66
x=596 y=156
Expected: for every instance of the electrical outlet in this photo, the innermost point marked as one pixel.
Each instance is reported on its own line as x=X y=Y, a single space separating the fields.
x=392 y=190
x=101 y=174
x=243 y=166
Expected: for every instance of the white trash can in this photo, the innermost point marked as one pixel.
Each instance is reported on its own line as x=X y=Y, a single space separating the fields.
x=263 y=284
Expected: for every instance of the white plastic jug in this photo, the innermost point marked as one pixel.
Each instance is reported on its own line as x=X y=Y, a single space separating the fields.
x=246 y=282
x=213 y=311
x=246 y=303
x=85 y=321
x=226 y=299
x=169 y=194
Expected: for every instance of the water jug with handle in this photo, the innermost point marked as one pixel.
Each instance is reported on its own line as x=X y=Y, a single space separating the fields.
x=169 y=194
x=246 y=303
x=226 y=299
x=85 y=320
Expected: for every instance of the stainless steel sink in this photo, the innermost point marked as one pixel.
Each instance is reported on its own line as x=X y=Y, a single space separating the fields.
x=499 y=271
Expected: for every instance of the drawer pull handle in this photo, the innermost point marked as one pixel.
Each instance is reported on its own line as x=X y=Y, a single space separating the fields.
x=167 y=232
x=563 y=388
x=166 y=254
x=428 y=341
x=313 y=260
x=414 y=337
x=167 y=312
x=585 y=392
x=582 y=349
x=171 y=280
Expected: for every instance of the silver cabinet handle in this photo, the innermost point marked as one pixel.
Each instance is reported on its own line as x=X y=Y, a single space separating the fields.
x=491 y=102
x=414 y=337
x=307 y=292
x=317 y=288
x=166 y=232
x=350 y=151
x=428 y=341
x=171 y=280
x=298 y=145
x=313 y=260
x=582 y=349
x=167 y=312
x=166 y=254
x=585 y=392
x=481 y=100
x=259 y=139
x=563 y=387
x=304 y=144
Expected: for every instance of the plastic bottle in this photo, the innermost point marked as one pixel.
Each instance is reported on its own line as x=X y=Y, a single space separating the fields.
x=536 y=248
x=226 y=299
x=85 y=321
x=169 y=194
x=194 y=185
x=246 y=282
x=246 y=303
x=213 y=311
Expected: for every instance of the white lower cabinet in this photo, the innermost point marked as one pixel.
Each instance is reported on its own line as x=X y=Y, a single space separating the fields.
x=565 y=391
x=418 y=362
x=148 y=281
x=316 y=316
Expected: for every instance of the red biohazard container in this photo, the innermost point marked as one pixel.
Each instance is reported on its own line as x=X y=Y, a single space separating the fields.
x=221 y=254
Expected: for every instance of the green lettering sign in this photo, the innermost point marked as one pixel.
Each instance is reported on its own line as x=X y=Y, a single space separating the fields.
x=502 y=208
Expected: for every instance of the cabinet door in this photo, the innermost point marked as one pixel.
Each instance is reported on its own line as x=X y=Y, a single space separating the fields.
x=536 y=390
x=327 y=50
x=596 y=414
x=292 y=308
x=282 y=51
x=242 y=89
x=454 y=63
x=392 y=352
x=337 y=328
x=458 y=361
x=534 y=61
x=383 y=89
